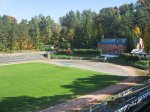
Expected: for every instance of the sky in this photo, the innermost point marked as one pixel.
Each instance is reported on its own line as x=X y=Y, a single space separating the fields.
x=26 y=9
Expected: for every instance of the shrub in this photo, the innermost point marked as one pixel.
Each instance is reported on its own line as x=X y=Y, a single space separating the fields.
x=61 y=51
x=129 y=57
x=141 y=64
x=80 y=51
x=87 y=52
x=64 y=51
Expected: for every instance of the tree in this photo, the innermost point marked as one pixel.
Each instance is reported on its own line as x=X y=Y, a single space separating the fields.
x=137 y=31
x=110 y=19
x=23 y=40
x=56 y=28
x=131 y=42
x=69 y=20
x=146 y=39
x=3 y=38
x=76 y=29
x=34 y=32
x=84 y=31
x=64 y=44
x=8 y=33
x=145 y=4
x=87 y=21
x=45 y=29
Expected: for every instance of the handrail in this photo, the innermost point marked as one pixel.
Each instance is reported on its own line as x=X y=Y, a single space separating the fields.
x=103 y=105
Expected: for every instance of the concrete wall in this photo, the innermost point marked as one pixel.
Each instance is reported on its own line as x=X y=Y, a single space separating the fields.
x=16 y=57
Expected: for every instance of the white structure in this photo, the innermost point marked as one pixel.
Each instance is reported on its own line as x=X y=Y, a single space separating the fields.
x=139 y=51
x=140 y=44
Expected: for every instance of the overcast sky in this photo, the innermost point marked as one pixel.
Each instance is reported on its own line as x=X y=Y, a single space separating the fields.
x=25 y=9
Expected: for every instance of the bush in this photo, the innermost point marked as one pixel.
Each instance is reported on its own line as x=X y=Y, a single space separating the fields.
x=60 y=51
x=80 y=52
x=47 y=48
x=65 y=51
x=87 y=52
x=129 y=57
x=141 y=64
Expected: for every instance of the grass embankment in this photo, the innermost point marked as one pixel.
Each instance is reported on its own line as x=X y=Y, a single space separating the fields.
x=33 y=86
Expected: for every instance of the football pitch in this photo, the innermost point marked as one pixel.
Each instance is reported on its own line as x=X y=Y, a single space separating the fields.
x=35 y=86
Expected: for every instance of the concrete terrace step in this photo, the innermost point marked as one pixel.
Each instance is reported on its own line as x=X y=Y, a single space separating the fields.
x=17 y=57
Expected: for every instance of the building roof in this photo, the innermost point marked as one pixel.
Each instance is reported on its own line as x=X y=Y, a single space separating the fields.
x=115 y=41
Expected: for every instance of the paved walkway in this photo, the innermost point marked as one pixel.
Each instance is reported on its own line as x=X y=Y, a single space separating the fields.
x=100 y=95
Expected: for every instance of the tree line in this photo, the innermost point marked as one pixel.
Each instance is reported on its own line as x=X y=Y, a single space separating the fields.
x=78 y=29
x=27 y=35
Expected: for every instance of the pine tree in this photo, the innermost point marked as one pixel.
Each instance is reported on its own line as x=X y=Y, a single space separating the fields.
x=146 y=39
x=34 y=32
x=23 y=36
x=131 y=42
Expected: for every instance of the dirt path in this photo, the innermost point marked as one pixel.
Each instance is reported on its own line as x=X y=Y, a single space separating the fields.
x=100 y=95
x=90 y=99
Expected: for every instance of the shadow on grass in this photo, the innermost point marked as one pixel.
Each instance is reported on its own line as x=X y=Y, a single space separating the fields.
x=78 y=87
x=82 y=86
x=28 y=104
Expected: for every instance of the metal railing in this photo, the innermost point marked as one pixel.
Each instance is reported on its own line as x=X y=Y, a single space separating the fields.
x=104 y=107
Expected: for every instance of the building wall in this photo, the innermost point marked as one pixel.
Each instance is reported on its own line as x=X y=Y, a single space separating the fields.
x=111 y=48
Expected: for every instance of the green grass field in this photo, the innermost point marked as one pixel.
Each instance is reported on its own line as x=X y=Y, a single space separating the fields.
x=34 y=86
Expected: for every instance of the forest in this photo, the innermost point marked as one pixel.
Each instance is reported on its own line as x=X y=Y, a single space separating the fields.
x=77 y=29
